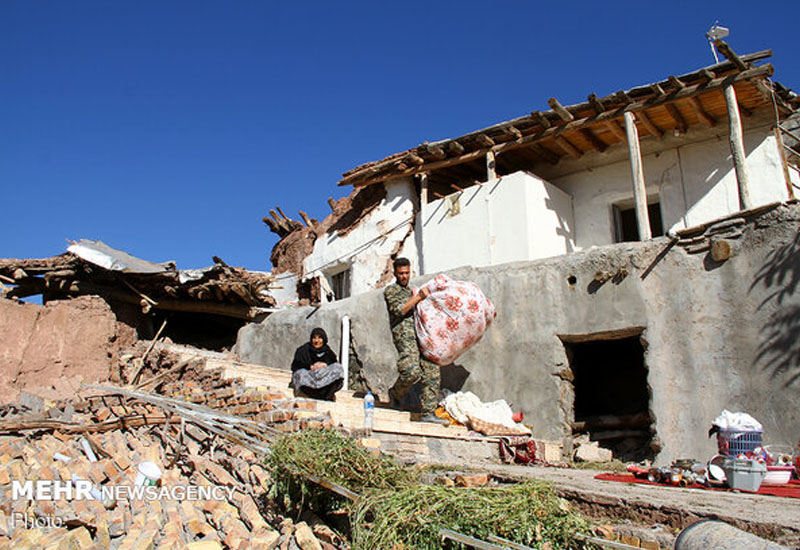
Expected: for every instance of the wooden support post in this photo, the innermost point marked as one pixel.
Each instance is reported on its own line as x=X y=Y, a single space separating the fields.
x=332 y=204
x=423 y=188
x=491 y=172
x=737 y=149
x=637 y=173
x=782 y=151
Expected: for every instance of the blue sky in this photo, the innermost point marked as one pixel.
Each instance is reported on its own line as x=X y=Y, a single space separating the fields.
x=168 y=129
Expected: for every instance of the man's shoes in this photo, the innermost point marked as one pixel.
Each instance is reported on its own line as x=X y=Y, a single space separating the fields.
x=434 y=419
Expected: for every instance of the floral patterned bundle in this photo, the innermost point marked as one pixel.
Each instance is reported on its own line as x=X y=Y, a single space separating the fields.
x=452 y=319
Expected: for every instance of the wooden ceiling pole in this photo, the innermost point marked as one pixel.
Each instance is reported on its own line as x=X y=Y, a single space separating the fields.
x=736 y=139
x=560 y=110
x=637 y=174
x=371 y=175
x=615 y=129
x=677 y=118
x=491 y=166
x=546 y=154
x=593 y=139
x=648 y=124
x=423 y=188
x=701 y=113
x=568 y=147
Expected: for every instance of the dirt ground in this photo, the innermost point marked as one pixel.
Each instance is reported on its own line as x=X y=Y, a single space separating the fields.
x=48 y=350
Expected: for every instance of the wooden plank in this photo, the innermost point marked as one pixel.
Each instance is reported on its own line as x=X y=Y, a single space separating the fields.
x=508 y=543
x=736 y=139
x=560 y=110
x=469 y=541
x=332 y=204
x=637 y=174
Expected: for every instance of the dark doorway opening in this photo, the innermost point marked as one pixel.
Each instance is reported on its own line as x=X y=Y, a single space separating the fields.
x=612 y=397
x=201 y=330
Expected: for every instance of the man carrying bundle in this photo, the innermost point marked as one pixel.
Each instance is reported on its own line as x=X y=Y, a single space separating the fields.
x=411 y=366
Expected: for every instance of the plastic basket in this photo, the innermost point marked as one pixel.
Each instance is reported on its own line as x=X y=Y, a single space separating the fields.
x=736 y=442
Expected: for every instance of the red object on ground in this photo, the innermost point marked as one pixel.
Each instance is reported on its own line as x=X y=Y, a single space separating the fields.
x=790 y=490
x=517 y=417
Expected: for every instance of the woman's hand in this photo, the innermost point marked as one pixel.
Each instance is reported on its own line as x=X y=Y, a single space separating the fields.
x=318 y=365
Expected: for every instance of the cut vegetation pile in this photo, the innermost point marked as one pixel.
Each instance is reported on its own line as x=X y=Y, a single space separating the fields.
x=396 y=511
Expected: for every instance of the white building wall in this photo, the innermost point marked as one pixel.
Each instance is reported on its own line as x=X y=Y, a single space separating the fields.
x=695 y=183
x=516 y=217
x=365 y=250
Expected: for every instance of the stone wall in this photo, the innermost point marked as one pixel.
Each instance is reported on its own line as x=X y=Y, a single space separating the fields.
x=716 y=334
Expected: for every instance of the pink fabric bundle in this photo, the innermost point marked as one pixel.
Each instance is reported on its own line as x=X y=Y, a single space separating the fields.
x=452 y=319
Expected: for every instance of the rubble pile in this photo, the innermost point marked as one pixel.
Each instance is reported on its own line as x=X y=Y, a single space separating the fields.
x=103 y=440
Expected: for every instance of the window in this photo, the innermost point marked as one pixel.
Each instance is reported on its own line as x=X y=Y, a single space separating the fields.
x=341 y=284
x=625 y=226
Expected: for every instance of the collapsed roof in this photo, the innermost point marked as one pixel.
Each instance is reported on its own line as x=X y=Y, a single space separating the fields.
x=671 y=105
x=92 y=267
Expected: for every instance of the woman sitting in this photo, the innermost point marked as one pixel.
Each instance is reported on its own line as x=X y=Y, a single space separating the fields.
x=315 y=371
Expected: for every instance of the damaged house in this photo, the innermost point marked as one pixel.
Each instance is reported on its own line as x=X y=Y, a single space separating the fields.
x=641 y=249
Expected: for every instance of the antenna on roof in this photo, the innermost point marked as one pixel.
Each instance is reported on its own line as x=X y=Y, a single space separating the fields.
x=715 y=33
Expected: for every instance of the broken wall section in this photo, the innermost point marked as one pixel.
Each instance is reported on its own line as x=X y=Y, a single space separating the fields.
x=49 y=350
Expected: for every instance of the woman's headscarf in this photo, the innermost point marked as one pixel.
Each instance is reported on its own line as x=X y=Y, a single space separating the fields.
x=321 y=333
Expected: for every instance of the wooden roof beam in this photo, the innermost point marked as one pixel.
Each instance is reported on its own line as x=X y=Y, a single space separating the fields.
x=676 y=83
x=541 y=119
x=701 y=113
x=596 y=104
x=485 y=140
x=726 y=50
x=545 y=153
x=593 y=139
x=677 y=118
x=762 y=71
x=455 y=148
x=413 y=158
x=512 y=131
x=614 y=127
x=560 y=110
x=648 y=124
x=433 y=151
x=568 y=147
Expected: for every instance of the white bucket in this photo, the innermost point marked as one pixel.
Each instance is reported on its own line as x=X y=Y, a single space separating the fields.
x=148 y=473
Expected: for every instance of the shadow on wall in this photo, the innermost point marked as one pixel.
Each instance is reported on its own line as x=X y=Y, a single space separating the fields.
x=779 y=351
